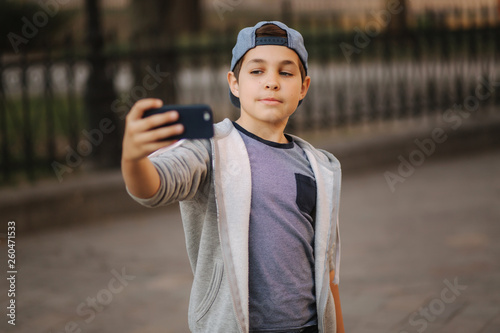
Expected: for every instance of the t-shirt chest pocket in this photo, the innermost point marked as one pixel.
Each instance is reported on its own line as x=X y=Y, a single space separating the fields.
x=306 y=193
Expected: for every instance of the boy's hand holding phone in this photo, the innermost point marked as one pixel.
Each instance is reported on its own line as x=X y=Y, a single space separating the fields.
x=143 y=136
x=149 y=127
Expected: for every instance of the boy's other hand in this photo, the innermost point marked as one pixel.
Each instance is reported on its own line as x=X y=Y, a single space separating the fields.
x=142 y=135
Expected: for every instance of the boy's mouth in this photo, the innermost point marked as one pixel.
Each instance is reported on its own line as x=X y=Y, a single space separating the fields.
x=270 y=101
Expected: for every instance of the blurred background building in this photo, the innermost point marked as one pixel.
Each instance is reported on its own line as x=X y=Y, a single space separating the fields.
x=67 y=66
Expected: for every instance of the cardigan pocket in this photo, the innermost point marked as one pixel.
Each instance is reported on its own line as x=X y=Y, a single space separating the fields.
x=211 y=294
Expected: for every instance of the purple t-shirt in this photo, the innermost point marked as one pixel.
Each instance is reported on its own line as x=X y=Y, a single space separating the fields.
x=281 y=236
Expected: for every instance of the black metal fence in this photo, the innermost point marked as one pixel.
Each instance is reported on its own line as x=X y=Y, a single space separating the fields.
x=356 y=78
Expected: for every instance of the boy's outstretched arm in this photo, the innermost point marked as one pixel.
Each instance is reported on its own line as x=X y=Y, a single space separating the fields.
x=141 y=138
x=336 y=297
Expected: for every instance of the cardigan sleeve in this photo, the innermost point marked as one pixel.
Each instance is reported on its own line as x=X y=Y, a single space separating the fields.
x=182 y=168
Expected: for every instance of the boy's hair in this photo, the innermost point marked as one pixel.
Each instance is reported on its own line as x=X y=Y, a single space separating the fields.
x=269 y=30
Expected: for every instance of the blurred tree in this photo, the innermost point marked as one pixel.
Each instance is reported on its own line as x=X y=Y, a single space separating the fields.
x=106 y=129
x=398 y=24
x=157 y=22
x=155 y=26
x=27 y=26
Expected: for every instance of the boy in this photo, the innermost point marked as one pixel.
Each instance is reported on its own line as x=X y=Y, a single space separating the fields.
x=259 y=207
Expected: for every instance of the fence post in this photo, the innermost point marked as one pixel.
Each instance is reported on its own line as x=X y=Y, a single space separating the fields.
x=496 y=50
x=27 y=130
x=49 y=107
x=5 y=165
x=72 y=120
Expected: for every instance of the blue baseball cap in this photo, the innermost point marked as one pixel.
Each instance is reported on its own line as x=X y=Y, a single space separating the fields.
x=247 y=40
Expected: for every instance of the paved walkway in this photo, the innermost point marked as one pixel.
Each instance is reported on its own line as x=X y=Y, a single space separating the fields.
x=421 y=259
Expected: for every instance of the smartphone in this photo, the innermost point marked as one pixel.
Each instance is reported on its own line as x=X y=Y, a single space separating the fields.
x=197 y=120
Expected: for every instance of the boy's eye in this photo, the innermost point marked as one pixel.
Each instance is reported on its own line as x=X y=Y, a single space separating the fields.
x=286 y=74
x=256 y=71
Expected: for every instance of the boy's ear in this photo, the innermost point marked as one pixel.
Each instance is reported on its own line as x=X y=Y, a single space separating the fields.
x=233 y=84
x=305 y=87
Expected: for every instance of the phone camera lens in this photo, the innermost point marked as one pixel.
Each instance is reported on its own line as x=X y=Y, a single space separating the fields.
x=206 y=116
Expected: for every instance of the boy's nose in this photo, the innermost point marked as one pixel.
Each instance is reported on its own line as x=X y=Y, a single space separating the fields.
x=272 y=84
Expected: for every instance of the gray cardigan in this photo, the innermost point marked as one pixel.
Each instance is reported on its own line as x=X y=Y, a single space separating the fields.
x=212 y=181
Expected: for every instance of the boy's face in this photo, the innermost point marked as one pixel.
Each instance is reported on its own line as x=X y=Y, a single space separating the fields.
x=269 y=85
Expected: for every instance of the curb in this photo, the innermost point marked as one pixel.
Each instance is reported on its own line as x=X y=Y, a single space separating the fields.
x=376 y=148
x=88 y=198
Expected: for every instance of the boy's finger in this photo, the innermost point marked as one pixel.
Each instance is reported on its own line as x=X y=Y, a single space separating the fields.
x=161 y=134
x=142 y=105
x=157 y=120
